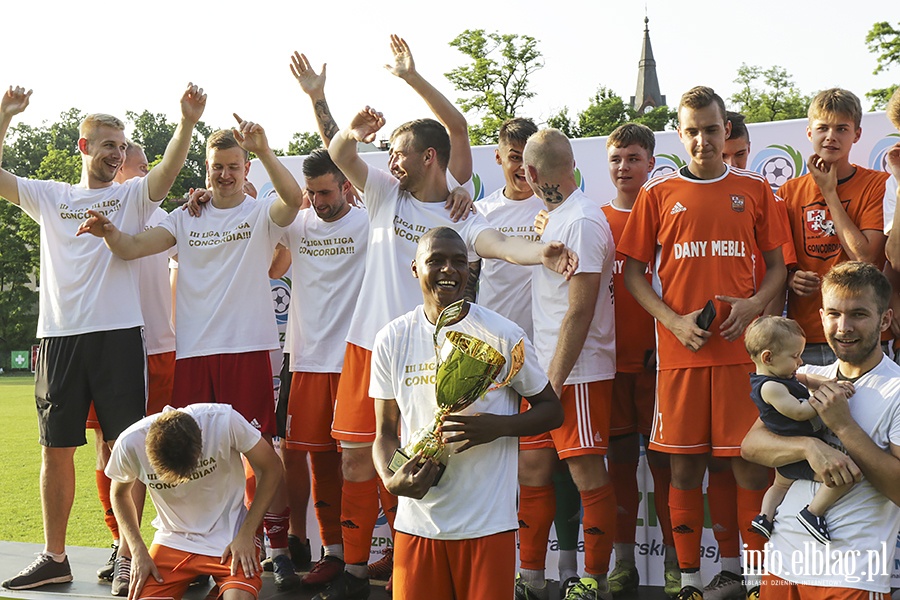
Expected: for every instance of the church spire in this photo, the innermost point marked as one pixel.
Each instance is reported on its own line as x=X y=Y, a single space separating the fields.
x=647 y=95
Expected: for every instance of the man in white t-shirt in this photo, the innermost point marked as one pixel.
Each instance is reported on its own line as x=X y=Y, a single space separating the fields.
x=861 y=443
x=225 y=326
x=504 y=287
x=574 y=333
x=401 y=205
x=90 y=317
x=190 y=459
x=471 y=511
x=159 y=337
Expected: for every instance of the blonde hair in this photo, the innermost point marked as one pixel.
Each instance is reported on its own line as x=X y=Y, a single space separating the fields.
x=893 y=109
x=92 y=122
x=770 y=333
x=550 y=153
x=833 y=102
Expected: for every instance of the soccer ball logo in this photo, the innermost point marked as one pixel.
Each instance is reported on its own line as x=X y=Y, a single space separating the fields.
x=281 y=299
x=777 y=171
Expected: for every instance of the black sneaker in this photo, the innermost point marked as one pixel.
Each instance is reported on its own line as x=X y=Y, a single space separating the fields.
x=301 y=553
x=122 y=578
x=762 y=526
x=816 y=526
x=346 y=587
x=43 y=571
x=106 y=571
x=285 y=577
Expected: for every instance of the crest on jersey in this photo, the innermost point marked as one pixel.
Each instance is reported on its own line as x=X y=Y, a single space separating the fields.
x=737 y=203
x=819 y=236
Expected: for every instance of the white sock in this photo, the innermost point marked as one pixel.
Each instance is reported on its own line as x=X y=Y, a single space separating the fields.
x=533 y=577
x=691 y=579
x=56 y=557
x=624 y=552
x=568 y=564
x=336 y=550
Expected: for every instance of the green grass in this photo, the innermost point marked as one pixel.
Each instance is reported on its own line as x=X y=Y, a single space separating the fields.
x=20 y=467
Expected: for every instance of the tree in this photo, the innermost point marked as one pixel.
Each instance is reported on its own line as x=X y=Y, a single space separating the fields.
x=497 y=78
x=605 y=112
x=884 y=41
x=18 y=262
x=777 y=99
x=303 y=143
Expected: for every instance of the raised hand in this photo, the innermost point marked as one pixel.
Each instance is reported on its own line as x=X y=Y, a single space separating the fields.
x=193 y=102
x=251 y=136
x=14 y=101
x=403 y=60
x=310 y=81
x=366 y=124
x=824 y=174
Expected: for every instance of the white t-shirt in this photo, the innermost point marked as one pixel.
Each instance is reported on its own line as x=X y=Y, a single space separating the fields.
x=890 y=203
x=396 y=221
x=84 y=286
x=581 y=225
x=156 y=295
x=503 y=287
x=860 y=521
x=223 y=302
x=327 y=267
x=477 y=493
x=203 y=515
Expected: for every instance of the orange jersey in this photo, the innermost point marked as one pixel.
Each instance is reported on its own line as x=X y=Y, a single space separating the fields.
x=635 y=337
x=787 y=250
x=701 y=236
x=815 y=239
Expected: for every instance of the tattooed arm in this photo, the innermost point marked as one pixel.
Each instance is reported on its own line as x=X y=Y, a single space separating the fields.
x=313 y=84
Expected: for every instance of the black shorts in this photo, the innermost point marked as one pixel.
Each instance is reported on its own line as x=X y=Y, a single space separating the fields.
x=797 y=470
x=106 y=367
x=284 y=394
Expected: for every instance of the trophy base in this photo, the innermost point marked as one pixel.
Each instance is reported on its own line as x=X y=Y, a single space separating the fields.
x=400 y=458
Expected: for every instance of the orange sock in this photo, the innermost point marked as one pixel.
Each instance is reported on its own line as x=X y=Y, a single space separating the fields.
x=624 y=481
x=388 y=504
x=537 y=506
x=721 y=493
x=662 y=477
x=103 y=484
x=749 y=503
x=359 y=511
x=686 y=510
x=326 y=493
x=599 y=528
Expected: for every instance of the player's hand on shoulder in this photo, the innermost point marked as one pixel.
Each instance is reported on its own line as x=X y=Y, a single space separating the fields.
x=460 y=204
x=540 y=221
x=196 y=199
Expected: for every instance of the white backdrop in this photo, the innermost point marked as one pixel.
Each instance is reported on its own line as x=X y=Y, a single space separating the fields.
x=779 y=151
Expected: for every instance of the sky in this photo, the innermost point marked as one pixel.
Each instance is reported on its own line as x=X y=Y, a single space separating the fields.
x=118 y=56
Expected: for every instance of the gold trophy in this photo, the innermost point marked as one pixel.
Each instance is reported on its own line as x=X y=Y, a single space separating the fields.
x=466 y=369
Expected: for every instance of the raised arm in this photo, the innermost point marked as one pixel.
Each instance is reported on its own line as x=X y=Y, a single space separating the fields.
x=123 y=245
x=404 y=67
x=555 y=256
x=14 y=101
x=363 y=128
x=252 y=137
x=162 y=176
x=313 y=84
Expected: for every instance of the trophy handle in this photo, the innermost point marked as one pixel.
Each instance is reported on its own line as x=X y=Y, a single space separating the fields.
x=449 y=315
x=517 y=361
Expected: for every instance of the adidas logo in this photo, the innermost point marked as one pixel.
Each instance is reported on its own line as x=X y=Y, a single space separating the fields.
x=719 y=528
x=321 y=504
x=523 y=524
x=393 y=509
x=679 y=207
x=349 y=524
x=255 y=423
x=597 y=437
x=594 y=531
x=682 y=529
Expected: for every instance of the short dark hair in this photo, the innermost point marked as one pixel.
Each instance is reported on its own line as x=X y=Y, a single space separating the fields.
x=702 y=96
x=173 y=445
x=224 y=139
x=427 y=133
x=632 y=133
x=738 y=126
x=517 y=129
x=857 y=278
x=319 y=163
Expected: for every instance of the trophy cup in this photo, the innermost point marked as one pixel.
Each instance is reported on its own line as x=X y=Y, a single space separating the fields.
x=466 y=369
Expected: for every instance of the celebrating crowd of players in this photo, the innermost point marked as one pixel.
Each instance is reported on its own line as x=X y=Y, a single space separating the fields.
x=632 y=313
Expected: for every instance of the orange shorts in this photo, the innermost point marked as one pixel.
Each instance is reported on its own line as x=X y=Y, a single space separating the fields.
x=160 y=378
x=178 y=569
x=703 y=409
x=476 y=569
x=311 y=412
x=634 y=395
x=354 y=410
x=775 y=588
x=585 y=428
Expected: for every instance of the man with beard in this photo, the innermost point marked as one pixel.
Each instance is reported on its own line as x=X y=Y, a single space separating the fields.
x=861 y=443
x=90 y=322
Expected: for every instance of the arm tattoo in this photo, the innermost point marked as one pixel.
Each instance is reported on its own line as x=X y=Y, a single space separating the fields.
x=551 y=194
x=325 y=120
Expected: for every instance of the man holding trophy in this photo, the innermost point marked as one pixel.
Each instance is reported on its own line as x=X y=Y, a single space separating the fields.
x=437 y=374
